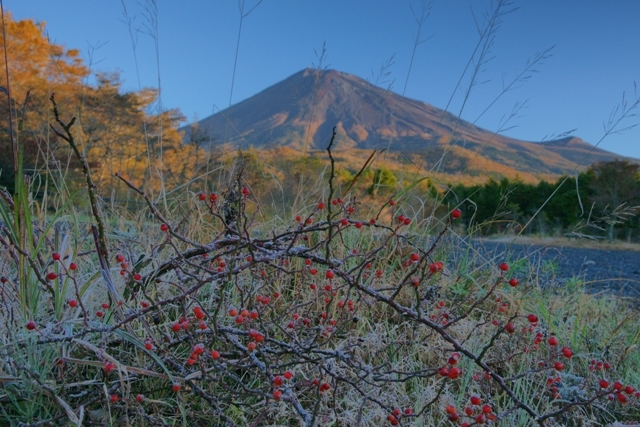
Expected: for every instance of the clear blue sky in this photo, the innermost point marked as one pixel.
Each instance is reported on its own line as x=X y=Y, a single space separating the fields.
x=596 y=56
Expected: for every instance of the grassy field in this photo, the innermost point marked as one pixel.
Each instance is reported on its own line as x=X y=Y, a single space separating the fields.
x=331 y=312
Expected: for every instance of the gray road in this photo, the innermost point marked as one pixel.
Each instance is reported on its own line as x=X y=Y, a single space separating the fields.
x=602 y=270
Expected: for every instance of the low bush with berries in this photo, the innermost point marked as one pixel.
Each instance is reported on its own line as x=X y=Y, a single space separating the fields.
x=339 y=314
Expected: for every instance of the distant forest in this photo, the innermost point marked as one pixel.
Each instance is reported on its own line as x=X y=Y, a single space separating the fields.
x=601 y=202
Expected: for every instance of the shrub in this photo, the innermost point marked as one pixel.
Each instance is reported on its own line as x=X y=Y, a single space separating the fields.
x=341 y=315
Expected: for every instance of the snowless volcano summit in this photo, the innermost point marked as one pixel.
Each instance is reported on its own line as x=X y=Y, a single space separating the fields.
x=301 y=111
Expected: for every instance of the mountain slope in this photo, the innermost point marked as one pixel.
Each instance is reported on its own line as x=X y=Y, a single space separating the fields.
x=301 y=111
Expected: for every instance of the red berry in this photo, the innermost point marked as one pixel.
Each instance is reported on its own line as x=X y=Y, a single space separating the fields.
x=450 y=409
x=140 y=398
x=202 y=196
x=504 y=266
x=455 y=373
x=329 y=274
x=553 y=341
x=558 y=366
x=629 y=390
x=510 y=328
x=603 y=384
x=55 y=256
x=73 y=266
x=622 y=398
x=176 y=387
x=278 y=381
x=532 y=318
x=176 y=327
x=454 y=417
x=148 y=345
x=475 y=400
x=392 y=202
x=617 y=385
x=251 y=346
x=215 y=354
x=415 y=257
x=113 y=398
x=277 y=395
x=245 y=191
x=513 y=282
x=52 y=276
x=358 y=224
x=108 y=367
x=288 y=375
x=486 y=409
x=567 y=352
x=99 y=313
x=456 y=213
x=164 y=227
x=233 y=312
x=120 y=258
x=320 y=205
x=407 y=221
x=313 y=271
x=137 y=277
x=213 y=197
x=73 y=303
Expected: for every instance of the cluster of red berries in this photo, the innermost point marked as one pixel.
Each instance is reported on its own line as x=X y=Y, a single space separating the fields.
x=305 y=321
x=197 y=351
x=213 y=197
x=323 y=387
x=450 y=370
x=478 y=413
x=278 y=381
x=243 y=315
x=436 y=267
x=598 y=365
x=403 y=220
x=396 y=414
x=349 y=303
x=52 y=275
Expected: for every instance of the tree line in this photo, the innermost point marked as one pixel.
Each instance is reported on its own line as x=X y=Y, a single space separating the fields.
x=601 y=202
